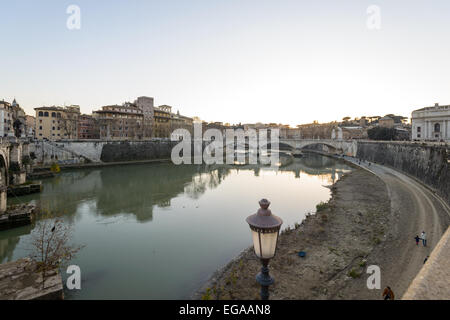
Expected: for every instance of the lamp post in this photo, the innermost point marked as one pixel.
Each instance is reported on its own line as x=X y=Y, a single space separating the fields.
x=265 y=229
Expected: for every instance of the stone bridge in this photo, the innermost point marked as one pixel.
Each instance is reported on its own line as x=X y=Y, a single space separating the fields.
x=347 y=147
x=12 y=168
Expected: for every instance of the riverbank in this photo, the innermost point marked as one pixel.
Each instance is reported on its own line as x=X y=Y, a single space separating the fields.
x=339 y=241
x=20 y=280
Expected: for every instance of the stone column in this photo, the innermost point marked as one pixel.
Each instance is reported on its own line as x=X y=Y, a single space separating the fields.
x=424 y=130
x=3 y=197
x=19 y=174
x=445 y=131
x=16 y=153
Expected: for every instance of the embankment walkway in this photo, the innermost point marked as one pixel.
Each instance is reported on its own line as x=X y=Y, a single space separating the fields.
x=414 y=208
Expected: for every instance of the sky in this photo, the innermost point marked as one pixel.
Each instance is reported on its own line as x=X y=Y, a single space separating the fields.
x=236 y=61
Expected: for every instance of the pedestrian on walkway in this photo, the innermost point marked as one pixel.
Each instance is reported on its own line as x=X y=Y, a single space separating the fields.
x=417 y=240
x=388 y=294
x=423 y=236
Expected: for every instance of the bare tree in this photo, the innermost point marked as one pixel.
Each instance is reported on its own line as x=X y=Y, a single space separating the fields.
x=50 y=245
x=69 y=125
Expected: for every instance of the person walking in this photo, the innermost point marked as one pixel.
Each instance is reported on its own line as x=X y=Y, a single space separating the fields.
x=388 y=294
x=423 y=236
x=426 y=259
x=417 y=240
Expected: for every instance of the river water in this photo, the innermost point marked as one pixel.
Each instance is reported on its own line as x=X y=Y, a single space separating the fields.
x=158 y=231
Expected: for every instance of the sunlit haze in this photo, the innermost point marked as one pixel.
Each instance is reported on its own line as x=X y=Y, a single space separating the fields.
x=282 y=61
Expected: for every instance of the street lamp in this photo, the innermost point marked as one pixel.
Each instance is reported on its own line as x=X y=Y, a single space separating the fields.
x=265 y=229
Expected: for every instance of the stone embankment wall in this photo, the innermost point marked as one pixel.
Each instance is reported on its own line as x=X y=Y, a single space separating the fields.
x=429 y=164
x=136 y=151
x=79 y=152
x=46 y=153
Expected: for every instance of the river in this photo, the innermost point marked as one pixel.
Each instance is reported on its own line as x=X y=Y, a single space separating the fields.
x=158 y=231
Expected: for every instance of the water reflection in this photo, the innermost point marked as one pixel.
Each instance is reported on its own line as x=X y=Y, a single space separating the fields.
x=156 y=217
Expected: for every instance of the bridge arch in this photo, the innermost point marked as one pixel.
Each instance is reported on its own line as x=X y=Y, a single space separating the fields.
x=345 y=146
x=330 y=145
x=3 y=170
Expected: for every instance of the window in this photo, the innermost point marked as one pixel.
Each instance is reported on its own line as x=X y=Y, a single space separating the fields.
x=41 y=114
x=437 y=128
x=418 y=129
x=46 y=114
x=418 y=136
x=53 y=114
x=40 y=127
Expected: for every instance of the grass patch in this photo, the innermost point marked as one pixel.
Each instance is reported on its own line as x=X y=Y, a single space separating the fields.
x=207 y=295
x=354 y=274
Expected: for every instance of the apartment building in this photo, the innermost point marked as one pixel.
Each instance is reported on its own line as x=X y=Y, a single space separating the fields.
x=56 y=123
x=120 y=122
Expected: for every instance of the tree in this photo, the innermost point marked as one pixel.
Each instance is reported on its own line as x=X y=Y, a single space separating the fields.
x=381 y=133
x=50 y=245
x=17 y=128
x=69 y=127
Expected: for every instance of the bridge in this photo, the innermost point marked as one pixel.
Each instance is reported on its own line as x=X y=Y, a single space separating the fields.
x=12 y=169
x=347 y=147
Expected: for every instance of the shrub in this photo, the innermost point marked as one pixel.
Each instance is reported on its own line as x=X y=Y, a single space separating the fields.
x=26 y=160
x=322 y=206
x=14 y=167
x=55 y=168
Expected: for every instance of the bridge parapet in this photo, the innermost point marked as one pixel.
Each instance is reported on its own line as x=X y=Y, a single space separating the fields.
x=347 y=147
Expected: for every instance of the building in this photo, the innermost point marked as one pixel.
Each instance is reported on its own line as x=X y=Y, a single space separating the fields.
x=316 y=130
x=88 y=127
x=162 y=121
x=123 y=122
x=5 y=119
x=30 y=126
x=354 y=132
x=146 y=105
x=188 y=124
x=56 y=123
x=431 y=123
x=386 y=122
x=12 y=120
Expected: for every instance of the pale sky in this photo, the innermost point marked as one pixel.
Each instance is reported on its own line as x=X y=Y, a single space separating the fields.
x=229 y=60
